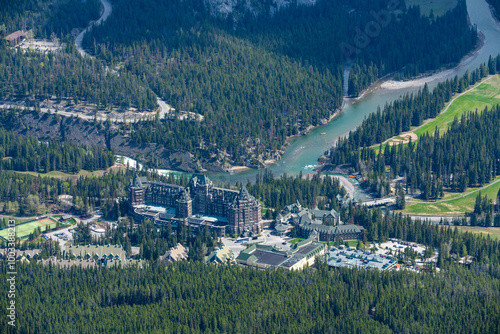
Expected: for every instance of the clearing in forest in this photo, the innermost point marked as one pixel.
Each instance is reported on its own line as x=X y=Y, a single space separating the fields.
x=484 y=95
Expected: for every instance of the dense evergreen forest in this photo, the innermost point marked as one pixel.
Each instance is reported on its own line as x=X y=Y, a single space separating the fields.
x=67 y=76
x=63 y=75
x=47 y=18
x=27 y=195
x=318 y=190
x=257 y=78
x=412 y=56
x=262 y=79
x=465 y=156
x=192 y=297
x=152 y=241
x=445 y=160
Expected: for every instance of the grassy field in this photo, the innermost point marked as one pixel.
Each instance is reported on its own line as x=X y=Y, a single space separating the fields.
x=493 y=232
x=486 y=94
x=483 y=95
x=351 y=243
x=58 y=175
x=439 y=7
x=453 y=205
x=24 y=230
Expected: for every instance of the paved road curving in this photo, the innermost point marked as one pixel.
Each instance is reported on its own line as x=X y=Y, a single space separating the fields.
x=164 y=108
x=78 y=40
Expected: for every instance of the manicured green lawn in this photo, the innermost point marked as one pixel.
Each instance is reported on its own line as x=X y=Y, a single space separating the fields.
x=454 y=206
x=486 y=94
x=350 y=243
x=493 y=232
x=296 y=240
x=62 y=175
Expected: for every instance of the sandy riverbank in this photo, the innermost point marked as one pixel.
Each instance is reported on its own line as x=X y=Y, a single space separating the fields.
x=391 y=84
x=235 y=169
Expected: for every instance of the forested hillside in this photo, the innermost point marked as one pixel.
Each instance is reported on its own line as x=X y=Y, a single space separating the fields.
x=47 y=18
x=64 y=74
x=258 y=80
x=409 y=54
x=28 y=195
x=30 y=154
x=67 y=76
x=464 y=156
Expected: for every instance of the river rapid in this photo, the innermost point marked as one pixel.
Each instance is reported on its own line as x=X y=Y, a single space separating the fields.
x=303 y=152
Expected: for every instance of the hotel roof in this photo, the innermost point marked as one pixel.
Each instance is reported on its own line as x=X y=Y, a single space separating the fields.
x=269 y=256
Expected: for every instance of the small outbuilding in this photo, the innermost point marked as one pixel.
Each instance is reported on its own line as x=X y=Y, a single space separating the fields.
x=15 y=38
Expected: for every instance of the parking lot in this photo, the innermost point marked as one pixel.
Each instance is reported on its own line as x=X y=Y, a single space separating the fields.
x=62 y=236
x=66 y=235
x=266 y=238
x=395 y=246
x=40 y=46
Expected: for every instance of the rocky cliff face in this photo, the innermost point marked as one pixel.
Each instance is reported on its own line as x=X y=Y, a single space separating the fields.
x=83 y=132
x=256 y=7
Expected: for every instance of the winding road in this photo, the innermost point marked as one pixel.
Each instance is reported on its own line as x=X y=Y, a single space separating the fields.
x=78 y=40
x=164 y=108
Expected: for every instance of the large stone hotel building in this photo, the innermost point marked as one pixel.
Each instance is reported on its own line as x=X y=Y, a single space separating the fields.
x=200 y=203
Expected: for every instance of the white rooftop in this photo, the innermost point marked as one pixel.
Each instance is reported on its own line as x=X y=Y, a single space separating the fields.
x=154 y=208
